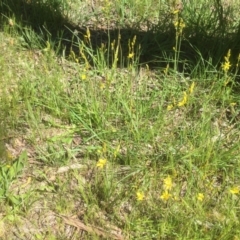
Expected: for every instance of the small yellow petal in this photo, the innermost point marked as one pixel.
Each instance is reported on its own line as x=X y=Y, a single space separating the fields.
x=101 y=162
x=200 y=197
x=176 y=11
x=140 y=196
x=184 y=100
x=167 y=183
x=83 y=76
x=165 y=196
x=234 y=190
x=130 y=55
x=170 y=107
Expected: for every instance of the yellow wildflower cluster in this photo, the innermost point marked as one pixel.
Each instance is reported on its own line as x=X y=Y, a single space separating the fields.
x=87 y=64
x=113 y=45
x=102 y=153
x=116 y=52
x=72 y=56
x=83 y=76
x=226 y=65
x=234 y=190
x=101 y=162
x=167 y=186
x=140 y=195
x=184 y=99
x=131 y=47
x=87 y=36
x=167 y=183
x=165 y=195
x=200 y=197
x=178 y=22
x=179 y=25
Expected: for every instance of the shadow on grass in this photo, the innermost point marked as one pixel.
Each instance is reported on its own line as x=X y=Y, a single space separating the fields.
x=199 y=42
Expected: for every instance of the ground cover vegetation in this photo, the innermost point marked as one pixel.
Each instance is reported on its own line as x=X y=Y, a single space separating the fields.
x=119 y=119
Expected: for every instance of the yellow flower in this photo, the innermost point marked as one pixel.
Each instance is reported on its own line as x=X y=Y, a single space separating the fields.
x=179 y=25
x=226 y=65
x=176 y=24
x=234 y=190
x=175 y=11
x=165 y=196
x=228 y=55
x=200 y=197
x=184 y=100
x=83 y=76
x=167 y=183
x=101 y=162
x=140 y=195
x=102 y=85
x=170 y=107
x=130 y=55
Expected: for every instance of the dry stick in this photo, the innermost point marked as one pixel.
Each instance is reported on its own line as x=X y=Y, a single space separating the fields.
x=99 y=231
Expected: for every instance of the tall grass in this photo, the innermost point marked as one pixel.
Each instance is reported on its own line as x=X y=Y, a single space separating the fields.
x=128 y=131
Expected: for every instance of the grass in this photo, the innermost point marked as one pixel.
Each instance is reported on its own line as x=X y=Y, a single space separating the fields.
x=120 y=121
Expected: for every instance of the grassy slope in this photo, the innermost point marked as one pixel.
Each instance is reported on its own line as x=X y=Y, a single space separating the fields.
x=170 y=138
